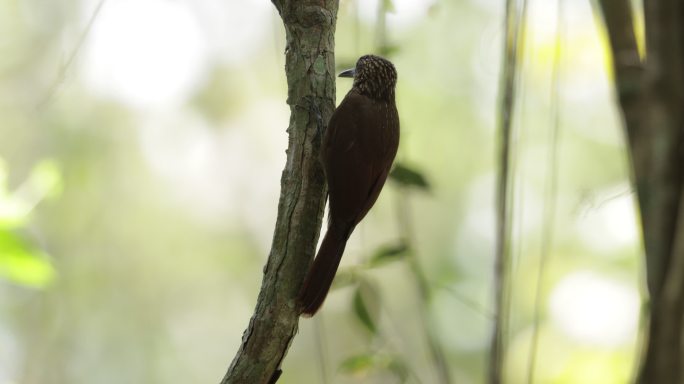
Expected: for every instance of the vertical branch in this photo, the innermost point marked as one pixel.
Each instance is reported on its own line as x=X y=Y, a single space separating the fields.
x=502 y=255
x=309 y=66
x=651 y=96
x=658 y=155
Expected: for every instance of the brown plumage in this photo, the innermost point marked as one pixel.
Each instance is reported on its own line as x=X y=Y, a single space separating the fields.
x=357 y=153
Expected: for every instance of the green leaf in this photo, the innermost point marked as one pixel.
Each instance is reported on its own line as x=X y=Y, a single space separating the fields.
x=366 y=305
x=388 y=6
x=344 y=278
x=23 y=265
x=397 y=366
x=388 y=49
x=388 y=254
x=367 y=363
x=358 y=365
x=406 y=176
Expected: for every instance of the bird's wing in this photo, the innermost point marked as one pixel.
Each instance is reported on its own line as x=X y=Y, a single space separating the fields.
x=355 y=168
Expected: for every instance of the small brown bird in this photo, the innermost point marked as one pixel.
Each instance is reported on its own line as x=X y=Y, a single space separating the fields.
x=357 y=153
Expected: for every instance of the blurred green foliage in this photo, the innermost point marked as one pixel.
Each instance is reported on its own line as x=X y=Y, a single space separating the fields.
x=366 y=306
x=388 y=253
x=362 y=366
x=20 y=262
x=22 y=265
x=404 y=175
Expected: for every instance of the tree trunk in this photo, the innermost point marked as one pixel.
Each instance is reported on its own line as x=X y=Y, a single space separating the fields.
x=651 y=96
x=310 y=67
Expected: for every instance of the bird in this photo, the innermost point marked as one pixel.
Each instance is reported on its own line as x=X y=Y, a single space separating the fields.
x=357 y=152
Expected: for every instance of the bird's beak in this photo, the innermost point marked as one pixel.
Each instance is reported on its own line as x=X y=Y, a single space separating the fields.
x=347 y=73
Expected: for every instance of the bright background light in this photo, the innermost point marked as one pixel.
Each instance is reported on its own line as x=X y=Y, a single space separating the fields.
x=595 y=309
x=146 y=52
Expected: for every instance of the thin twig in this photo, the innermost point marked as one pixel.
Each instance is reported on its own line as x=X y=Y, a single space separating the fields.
x=64 y=68
x=321 y=347
x=469 y=303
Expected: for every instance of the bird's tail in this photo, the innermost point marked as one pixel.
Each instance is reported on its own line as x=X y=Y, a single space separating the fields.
x=322 y=272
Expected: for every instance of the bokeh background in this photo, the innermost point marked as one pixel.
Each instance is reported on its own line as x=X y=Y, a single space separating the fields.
x=141 y=145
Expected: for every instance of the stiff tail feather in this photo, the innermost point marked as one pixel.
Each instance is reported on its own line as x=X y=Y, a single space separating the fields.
x=322 y=272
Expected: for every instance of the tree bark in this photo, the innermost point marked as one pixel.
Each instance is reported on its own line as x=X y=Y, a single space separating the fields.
x=651 y=97
x=310 y=67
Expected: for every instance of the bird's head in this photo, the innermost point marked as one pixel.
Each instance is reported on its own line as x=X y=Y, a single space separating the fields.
x=374 y=77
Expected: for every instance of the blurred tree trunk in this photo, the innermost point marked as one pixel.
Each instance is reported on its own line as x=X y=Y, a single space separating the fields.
x=310 y=67
x=651 y=95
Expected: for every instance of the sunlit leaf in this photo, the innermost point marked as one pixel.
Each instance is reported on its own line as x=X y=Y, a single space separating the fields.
x=13 y=212
x=22 y=265
x=44 y=181
x=358 y=364
x=406 y=176
x=366 y=303
x=388 y=253
x=27 y=269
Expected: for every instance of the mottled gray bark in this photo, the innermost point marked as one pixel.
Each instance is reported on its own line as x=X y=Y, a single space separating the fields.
x=309 y=66
x=651 y=96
